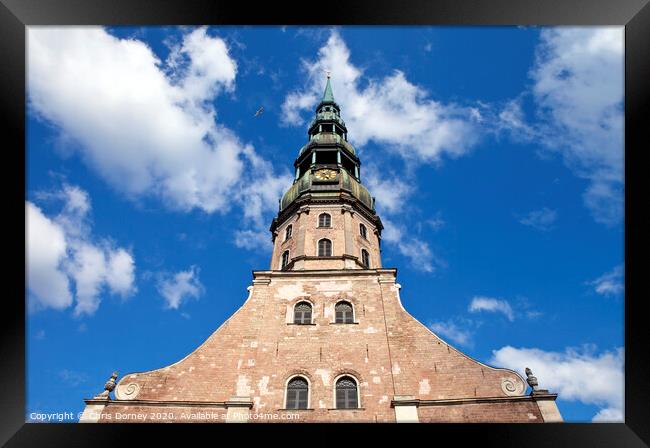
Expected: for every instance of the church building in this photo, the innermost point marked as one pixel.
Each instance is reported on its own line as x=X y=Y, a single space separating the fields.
x=323 y=335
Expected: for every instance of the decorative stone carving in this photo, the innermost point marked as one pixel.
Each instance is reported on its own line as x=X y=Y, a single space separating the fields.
x=127 y=391
x=532 y=382
x=512 y=386
x=108 y=387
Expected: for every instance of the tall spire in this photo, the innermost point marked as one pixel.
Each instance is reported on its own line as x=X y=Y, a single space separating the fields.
x=328 y=96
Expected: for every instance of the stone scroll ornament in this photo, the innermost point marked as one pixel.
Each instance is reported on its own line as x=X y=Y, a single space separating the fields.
x=127 y=391
x=512 y=386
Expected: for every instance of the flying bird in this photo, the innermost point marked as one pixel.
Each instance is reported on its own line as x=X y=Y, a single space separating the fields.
x=259 y=112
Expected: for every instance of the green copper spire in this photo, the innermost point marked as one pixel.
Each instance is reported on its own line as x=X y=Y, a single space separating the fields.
x=328 y=96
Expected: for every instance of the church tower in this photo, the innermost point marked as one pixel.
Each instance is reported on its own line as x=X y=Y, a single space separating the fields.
x=323 y=335
x=327 y=218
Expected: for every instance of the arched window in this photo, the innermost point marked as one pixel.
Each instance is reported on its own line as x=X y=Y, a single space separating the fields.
x=365 y=258
x=346 y=393
x=297 y=393
x=287 y=233
x=324 y=220
x=363 y=231
x=344 y=313
x=285 y=259
x=324 y=248
x=302 y=313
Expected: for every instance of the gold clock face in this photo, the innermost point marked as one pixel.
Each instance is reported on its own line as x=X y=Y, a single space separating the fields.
x=325 y=174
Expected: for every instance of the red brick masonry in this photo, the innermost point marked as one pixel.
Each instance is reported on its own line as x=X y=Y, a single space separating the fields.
x=242 y=369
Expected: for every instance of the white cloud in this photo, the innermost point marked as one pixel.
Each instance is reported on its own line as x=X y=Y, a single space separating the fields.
x=179 y=287
x=610 y=283
x=253 y=239
x=542 y=219
x=202 y=66
x=46 y=251
x=576 y=375
x=510 y=118
x=418 y=126
x=452 y=331
x=609 y=415
x=390 y=192
x=120 y=271
x=578 y=93
x=258 y=198
x=61 y=250
x=489 y=304
x=418 y=252
x=88 y=269
x=96 y=266
x=147 y=126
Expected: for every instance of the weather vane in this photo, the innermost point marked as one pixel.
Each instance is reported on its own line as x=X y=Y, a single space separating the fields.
x=328 y=73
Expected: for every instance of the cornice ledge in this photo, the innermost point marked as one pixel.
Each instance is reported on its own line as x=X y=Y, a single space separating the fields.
x=163 y=403
x=262 y=277
x=322 y=272
x=471 y=400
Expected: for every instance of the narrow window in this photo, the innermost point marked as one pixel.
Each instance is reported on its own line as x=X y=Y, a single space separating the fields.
x=285 y=259
x=324 y=248
x=346 y=393
x=344 y=313
x=363 y=231
x=302 y=314
x=297 y=393
x=365 y=258
x=287 y=233
x=324 y=220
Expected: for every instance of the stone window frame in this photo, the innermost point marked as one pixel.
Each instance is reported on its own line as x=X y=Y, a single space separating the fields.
x=363 y=231
x=357 y=381
x=329 y=221
x=282 y=263
x=309 y=388
x=331 y=305
x=288 y=232
x=292 y=311
x=318 y=248
x=366 y=265
x=354 y=313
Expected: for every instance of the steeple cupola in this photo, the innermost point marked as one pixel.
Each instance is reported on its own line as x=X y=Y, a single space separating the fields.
x=328 y=140
x=328 y=116
x=346 y=231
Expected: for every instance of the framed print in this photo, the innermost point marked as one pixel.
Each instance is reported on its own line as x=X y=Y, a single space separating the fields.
x=363 y=213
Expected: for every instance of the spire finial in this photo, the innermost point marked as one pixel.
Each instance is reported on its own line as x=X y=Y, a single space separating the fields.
x=328 y=96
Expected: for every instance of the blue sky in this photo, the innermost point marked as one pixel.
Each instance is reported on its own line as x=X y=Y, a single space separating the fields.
x=495 y=155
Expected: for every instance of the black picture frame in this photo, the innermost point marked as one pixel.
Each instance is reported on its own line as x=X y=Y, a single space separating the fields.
x=15 y=15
